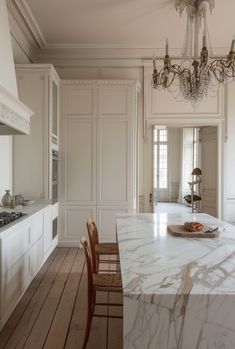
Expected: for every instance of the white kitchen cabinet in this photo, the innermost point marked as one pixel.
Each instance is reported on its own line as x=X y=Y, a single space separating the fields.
x=23 y=249
x=38 y=86
x=98 y=150
x=14 y=245
x=12 y=286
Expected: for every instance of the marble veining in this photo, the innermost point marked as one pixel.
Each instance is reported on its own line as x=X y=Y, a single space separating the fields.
x=179 y=293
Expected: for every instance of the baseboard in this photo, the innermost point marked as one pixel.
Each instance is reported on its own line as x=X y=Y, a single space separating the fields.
x=69 y=244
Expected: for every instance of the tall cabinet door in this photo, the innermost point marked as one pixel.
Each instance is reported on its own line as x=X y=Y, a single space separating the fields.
x=98 y=156
x=114 y=158
x=78 y=163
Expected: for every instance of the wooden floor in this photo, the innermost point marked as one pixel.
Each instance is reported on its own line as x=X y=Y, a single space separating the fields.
x=52 y=312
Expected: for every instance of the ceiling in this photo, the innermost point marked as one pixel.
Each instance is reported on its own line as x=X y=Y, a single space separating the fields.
x=124 y=23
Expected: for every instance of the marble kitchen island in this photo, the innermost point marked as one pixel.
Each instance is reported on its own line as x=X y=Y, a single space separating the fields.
x=179 y=293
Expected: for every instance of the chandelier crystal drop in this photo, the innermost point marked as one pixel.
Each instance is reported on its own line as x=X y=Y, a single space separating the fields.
x=198 y=74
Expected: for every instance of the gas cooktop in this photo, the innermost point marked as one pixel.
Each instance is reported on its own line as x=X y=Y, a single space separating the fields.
x=8 y=217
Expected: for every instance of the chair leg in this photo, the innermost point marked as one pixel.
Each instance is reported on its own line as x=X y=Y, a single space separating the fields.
x=88 y=328
x=90 y=311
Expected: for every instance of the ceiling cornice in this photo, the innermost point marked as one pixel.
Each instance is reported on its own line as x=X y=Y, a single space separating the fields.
x=70 y=54
x=27 y=22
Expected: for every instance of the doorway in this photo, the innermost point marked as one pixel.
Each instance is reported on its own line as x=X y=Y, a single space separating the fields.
x=176 y=152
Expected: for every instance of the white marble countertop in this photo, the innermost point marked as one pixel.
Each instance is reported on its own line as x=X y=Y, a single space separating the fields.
x=26 y=210
x=155 y=263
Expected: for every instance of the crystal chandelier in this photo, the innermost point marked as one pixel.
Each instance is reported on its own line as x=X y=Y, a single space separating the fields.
x=198 y=73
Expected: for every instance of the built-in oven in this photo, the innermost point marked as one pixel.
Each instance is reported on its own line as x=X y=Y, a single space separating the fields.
x=54 y=176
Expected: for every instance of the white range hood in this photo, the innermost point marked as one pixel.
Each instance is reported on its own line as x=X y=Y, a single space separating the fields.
x=14 y=115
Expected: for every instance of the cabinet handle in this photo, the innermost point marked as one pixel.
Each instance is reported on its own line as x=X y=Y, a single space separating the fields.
x=150 y=198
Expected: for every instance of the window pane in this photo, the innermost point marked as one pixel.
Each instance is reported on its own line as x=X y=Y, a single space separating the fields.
x=155 y=166
x=163 y=166
x=155 y=135
x=163 y=135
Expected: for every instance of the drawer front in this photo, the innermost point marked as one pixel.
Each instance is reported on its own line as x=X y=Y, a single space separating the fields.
x=14 y=246
x=47 y=236
x=35 y=257
x=36 y=229
x=13 y=284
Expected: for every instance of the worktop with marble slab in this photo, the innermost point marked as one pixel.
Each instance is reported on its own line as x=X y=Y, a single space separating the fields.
x=179 y=293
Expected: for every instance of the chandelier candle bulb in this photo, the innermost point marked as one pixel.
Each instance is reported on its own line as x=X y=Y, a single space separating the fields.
x=233 y=45
x=204 y=43
x=154 y=63
x=167 y=47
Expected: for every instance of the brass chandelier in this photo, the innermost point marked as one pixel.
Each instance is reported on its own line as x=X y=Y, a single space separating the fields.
x=198 y=74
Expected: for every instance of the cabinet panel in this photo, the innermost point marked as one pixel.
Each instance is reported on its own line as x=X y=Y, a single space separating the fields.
x=36 y=228
x=47 y=236
x=79 y=161
x=74 y=221
x=14 y=246
x=113 y=161
x=35 y=257
x=106 y=221
x=29 y=152
x=80 y=100
x=13 y=285
x=113 y=101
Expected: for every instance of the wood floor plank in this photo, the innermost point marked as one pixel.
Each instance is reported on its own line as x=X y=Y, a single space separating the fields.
x=115 y=326
x=98 y=334
x=39 y=332
x=26 y=322
x=25 y=300
x=57 y=336
x=78 y=322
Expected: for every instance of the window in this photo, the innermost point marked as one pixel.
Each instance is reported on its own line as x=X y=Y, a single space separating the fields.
x=160 y=158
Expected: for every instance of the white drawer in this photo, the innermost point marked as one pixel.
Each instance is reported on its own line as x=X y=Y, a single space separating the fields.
x=14 y=245
x=36 y=229
x=35 y=257
x=13 y=285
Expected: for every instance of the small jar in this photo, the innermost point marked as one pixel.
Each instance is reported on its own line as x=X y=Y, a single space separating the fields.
x=6 y=199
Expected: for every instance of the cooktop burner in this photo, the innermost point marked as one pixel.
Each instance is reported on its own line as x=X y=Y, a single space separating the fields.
x=8 y=217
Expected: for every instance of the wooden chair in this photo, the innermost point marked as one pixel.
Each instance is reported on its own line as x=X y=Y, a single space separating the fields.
x=100 y=249
x=101 y=283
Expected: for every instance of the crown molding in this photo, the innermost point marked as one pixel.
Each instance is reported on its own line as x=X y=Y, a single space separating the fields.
x=29 y=37
x=27 y=22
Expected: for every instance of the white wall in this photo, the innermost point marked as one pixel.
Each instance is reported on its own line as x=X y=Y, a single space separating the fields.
x=7 y=71
x=6 y=164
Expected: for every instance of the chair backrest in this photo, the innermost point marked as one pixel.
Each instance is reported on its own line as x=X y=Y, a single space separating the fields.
x=94 y=240
x=84 y=243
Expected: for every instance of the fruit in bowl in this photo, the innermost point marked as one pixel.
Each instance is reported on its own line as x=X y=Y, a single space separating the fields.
x=193 y=226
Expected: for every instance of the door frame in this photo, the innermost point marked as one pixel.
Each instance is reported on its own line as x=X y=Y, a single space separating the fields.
x=148 y=156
